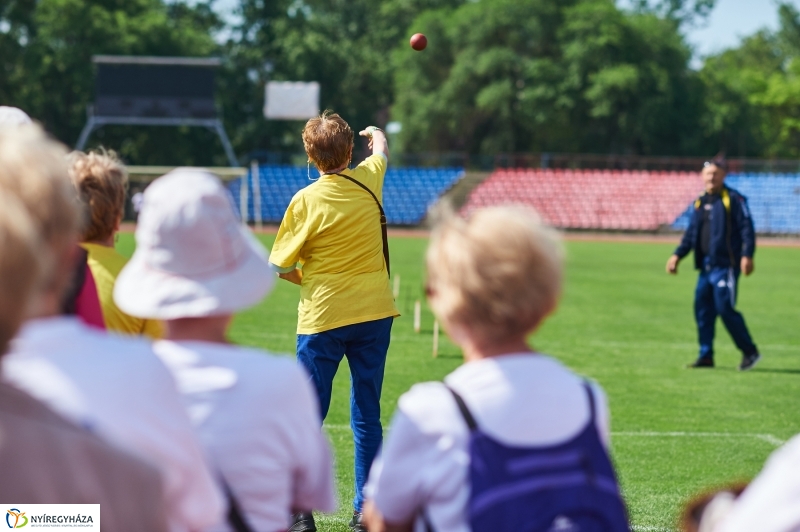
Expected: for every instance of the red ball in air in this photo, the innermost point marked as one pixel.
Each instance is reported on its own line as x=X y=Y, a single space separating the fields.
x=419 y=42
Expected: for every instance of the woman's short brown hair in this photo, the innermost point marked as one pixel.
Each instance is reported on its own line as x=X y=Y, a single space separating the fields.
x=328 y=140
x=496 y=274
x=101 y=180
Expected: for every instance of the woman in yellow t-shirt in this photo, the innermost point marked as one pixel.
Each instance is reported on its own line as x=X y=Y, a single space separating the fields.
x=334 y=229
x=101 y=180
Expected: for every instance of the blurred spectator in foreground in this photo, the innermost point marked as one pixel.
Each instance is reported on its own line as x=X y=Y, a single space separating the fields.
x=112 y=385
x=80 y=298
x=12 y=116
x=771 y=503
x=101 y=180
x=512 y=440
x=257 y=414
x=44 y=458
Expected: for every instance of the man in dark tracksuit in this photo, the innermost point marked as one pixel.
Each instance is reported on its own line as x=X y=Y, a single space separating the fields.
x=722 y=236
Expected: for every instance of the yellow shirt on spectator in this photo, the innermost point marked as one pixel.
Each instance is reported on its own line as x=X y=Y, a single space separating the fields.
x=106 y=263
x=332 y=228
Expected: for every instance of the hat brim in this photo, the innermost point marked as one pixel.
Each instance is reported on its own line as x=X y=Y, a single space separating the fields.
x=145 y=292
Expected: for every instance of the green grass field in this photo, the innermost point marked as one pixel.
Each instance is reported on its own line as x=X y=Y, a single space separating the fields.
x=629 y=326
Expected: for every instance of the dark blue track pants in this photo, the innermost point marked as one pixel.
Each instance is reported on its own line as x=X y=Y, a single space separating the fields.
x=714 y=296
x=365 y=346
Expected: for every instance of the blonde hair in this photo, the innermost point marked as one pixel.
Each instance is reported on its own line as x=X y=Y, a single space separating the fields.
x=19 y=266
x=497 y=274
x=101 y=180
x=328 y=141
x=33 y=168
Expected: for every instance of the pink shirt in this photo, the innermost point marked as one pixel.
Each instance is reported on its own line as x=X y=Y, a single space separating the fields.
x=87 y=304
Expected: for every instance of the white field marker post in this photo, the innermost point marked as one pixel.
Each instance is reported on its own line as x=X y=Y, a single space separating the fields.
x=417 y=316
x=256 y=193
x=243 y=199
x=435 y=338
x=396 y=288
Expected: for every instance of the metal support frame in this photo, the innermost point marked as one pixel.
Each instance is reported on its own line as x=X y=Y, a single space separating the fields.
x=214 y=124
x=256 y=175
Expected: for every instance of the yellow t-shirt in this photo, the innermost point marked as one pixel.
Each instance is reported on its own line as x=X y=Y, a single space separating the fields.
x=105 y=264
x=332 y=228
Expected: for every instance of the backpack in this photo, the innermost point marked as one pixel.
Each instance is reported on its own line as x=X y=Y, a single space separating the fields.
x=569 y=487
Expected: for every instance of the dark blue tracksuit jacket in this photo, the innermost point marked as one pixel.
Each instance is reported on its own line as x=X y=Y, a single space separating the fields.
x=732 y=235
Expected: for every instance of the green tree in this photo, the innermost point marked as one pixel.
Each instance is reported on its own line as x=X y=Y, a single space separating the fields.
x=681 y=11
x=547 y=75
x=752 y=92
x=343 y=44
x=45 y=58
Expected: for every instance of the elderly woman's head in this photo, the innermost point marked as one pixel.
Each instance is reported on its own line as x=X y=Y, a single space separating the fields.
x=33 y=168
x=494 y=276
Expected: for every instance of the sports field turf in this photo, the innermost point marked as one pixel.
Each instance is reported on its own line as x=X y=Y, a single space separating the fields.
x=626 y=324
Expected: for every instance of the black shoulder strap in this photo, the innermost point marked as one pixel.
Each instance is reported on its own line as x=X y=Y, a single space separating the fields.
x=384 y=234
x=462 y=407
x=69 y=302
x=235 y=516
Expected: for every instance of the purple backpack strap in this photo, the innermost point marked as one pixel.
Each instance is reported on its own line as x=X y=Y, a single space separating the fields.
x=590 y=393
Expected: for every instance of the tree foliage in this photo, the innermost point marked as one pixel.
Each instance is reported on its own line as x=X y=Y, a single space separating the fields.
x=498 y=75
x=344 y=44
x=45 y=61
x=681 y=11
x=547 y=75
x=753 y=93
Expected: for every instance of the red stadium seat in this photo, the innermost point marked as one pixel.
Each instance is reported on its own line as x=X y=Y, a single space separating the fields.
x=591 y=199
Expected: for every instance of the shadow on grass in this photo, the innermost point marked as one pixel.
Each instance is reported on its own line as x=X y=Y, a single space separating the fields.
x=457 y=355
x=754 y=370
x=777 y=370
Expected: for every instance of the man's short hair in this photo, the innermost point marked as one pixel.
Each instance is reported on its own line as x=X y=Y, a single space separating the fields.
x=328 y=141
x=101 y=180
x=19 y=265
x=498 y=273
x=719 y=161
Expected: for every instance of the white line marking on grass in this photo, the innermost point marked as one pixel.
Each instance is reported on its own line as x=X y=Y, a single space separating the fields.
x=645 y=528
x=661 y=344
x=769 y=438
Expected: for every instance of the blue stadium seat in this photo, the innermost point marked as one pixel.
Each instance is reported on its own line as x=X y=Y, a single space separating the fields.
x=407 y=192
x=774 y=201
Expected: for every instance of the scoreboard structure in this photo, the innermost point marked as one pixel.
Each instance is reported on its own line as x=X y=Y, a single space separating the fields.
x=155 y=91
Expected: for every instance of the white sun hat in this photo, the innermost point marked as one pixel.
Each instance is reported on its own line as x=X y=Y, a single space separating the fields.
x=12 y=116
x=193 y=258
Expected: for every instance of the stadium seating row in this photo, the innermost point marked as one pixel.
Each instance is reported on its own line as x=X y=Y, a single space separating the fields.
x=634 y=200
x=592 y=199
x=774 y=201
x=570 y=199
x=407 y=192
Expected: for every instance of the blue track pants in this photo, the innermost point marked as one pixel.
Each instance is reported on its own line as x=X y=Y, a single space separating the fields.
x=365 y=346
x=714 y=296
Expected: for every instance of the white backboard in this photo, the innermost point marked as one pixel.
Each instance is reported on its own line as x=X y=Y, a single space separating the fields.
x=291 y=100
